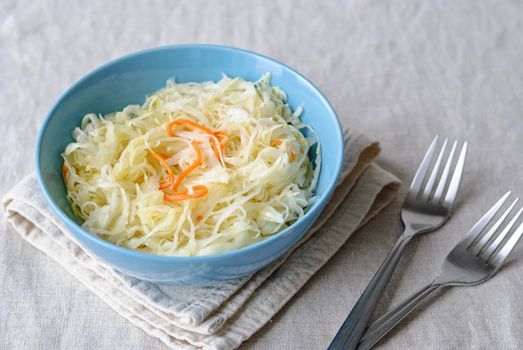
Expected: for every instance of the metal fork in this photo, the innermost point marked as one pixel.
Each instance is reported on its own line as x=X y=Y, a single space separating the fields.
x=474 y=260
x=427 y=207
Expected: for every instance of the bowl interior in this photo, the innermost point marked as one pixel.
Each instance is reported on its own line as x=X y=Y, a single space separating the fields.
x=129 y=79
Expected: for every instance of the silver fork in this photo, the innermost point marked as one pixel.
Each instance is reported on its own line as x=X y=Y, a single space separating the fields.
x=427 y=207
x=475 y=259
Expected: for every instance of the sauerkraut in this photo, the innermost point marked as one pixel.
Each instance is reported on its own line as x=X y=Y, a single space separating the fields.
x=198 y=169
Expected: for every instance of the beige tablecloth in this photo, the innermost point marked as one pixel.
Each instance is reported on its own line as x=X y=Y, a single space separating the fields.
x=399 y=71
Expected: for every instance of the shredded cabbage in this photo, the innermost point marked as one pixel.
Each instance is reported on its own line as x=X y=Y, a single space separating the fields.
x=262 y=181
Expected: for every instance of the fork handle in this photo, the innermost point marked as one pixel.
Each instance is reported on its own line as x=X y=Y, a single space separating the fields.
x=384 y=324
x=350 y=333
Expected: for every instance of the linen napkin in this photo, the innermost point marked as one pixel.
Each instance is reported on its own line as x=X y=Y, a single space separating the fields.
x=219 y=316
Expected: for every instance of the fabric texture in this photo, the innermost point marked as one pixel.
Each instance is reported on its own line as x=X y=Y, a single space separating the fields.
x=220 y=316
x=397 y=71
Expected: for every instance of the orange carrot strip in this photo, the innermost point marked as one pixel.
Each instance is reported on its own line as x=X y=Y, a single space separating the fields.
x=276 y=143
x=199 y=218
x=166 y=183
x=174 y=197
x=220 y=134
x=187 y=122
x=65 y=171
x=199 y=191
x=170 y=179
x=214 y=147
x=162 y=161
x=191 y=167
x=293 y=156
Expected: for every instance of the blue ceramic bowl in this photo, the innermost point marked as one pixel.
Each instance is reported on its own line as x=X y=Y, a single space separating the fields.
x=126 y=81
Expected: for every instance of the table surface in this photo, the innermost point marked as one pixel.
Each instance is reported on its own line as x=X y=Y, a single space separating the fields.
x=399 y=71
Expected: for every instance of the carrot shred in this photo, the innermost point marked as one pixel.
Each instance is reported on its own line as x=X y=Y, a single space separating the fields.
x=199 y=218
x=65 y=171
x=199 y=191
x=162 y=161
x=166 y=184
x=220 y=134
x=276 y=143
x=186 y=122
x=191 y=167
x=214 y=147
x=222 y=137
x=293 y=156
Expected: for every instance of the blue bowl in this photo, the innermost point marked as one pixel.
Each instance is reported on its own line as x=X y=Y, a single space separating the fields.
x=127 y=80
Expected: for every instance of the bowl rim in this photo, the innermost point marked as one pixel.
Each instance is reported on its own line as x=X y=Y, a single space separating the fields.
x=318 y=203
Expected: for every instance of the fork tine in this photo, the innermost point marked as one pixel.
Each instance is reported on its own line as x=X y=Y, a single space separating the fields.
x=480 y=225
x=487 y=237
x=444 y=176
x=497 y=242
x=456 y=177
x=432 y=179
x=509 y=245
x=423 y=168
